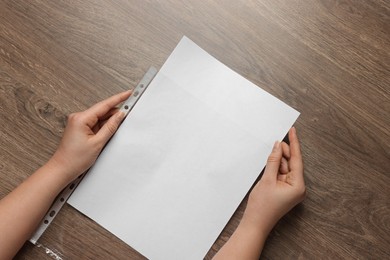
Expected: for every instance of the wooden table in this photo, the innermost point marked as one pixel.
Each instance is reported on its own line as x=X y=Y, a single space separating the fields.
x=328 y=59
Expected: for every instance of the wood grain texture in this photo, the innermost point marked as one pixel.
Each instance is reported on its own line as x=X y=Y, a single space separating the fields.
x=329 y=59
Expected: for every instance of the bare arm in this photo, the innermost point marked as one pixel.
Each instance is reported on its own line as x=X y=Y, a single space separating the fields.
x=279 y=190
x=85 y=135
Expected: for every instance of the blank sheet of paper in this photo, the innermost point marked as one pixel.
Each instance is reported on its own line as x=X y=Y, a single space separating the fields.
x=184 y=158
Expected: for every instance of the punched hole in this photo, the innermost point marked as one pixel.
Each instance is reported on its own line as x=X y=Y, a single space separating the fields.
x=71 y=186
x=46 y=221
x=141 y=86
x=52 y=213
x=62 y=199
x=136 y=93
x=126 y=107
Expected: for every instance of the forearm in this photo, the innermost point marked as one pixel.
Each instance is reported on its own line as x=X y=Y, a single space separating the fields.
x=246 y=242
x=23 y=208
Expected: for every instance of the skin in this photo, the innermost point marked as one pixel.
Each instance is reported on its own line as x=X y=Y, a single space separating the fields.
x=280 y=189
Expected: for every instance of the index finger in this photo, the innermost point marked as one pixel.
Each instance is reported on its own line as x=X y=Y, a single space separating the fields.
x=103 y=107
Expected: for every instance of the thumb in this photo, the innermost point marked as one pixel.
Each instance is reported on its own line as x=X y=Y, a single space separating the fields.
x=110 y=127
x=273 y=162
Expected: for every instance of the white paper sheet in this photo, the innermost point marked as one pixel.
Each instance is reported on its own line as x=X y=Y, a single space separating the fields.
x=184 y=158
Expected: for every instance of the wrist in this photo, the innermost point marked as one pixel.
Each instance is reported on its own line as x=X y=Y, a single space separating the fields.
x=259 y=221
x=61 y=169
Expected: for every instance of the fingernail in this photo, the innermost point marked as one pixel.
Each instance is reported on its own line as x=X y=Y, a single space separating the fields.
x=276 y=145
x=293 y=131
x=120 y=115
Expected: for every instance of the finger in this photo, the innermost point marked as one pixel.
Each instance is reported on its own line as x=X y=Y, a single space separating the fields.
x=111 y=112
x=101 y=121
x=284 y=169
x=282 y=177
x=99 y=125
x=286 y=150
x=103 y=107
x=110 y=127
x=295 y=162
x=273 y=162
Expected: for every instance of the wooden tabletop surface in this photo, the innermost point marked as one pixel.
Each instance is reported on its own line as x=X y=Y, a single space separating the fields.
x=328 y=59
